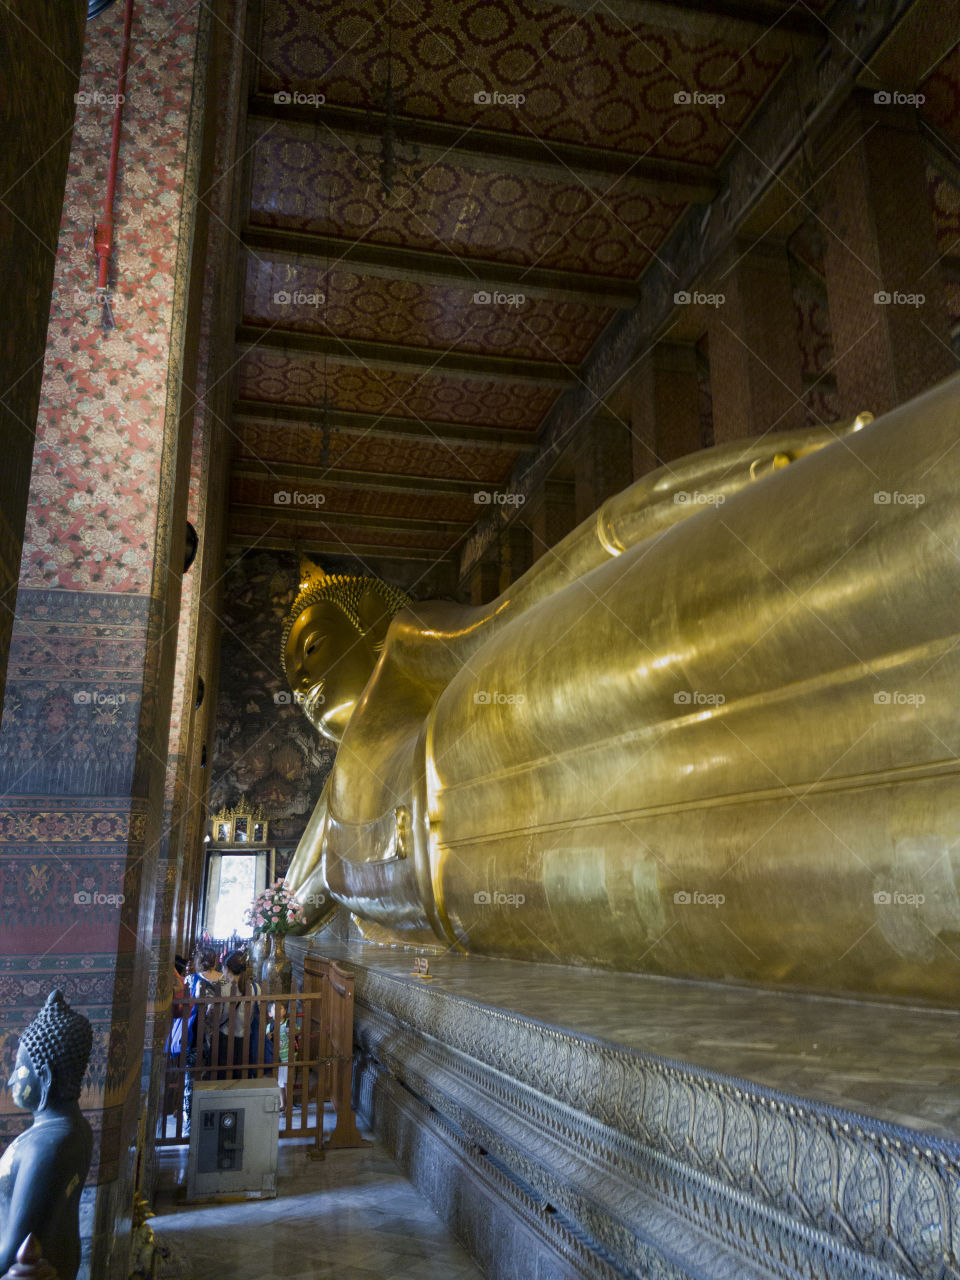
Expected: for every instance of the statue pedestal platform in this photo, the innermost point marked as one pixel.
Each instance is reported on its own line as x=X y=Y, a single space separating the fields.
x=573 y=1123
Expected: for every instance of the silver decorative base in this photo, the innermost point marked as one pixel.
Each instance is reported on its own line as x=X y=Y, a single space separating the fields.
x=554 y=1154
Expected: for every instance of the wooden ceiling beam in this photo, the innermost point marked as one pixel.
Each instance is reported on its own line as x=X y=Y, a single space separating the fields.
x=398 y=359
x=446 y=269
x=914 y=47
x=523 y=154
x=341 y=477
x=741 y=21
x=383 y=426
x=275 y=542
x=310 y=517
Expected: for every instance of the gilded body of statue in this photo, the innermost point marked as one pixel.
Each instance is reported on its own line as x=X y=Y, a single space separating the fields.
x=713 y=733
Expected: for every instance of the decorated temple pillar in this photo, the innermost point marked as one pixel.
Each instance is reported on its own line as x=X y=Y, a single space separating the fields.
x=484 y=581
x=83 y=739
x=551 y=514
x=604 y=463
x=887 y=297
x=755 y=365
x=516 y=552
x=205 y=409
x=33 y=168
x=665 y=406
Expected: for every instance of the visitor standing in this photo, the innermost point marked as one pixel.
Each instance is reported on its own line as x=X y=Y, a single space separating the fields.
x=236 y=981
x=203 y=982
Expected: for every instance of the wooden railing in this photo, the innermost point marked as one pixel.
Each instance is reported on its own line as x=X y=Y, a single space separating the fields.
x=319 y=1037
x=331 y=1040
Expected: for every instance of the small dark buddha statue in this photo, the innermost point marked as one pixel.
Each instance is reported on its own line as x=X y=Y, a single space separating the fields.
x=43 y=1171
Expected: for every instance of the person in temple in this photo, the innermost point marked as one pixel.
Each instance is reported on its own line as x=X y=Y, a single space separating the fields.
x=203 y=981
x=43 y=1171
x=236 y=981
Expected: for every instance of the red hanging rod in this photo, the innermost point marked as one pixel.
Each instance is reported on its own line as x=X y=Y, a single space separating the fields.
x=103 y=236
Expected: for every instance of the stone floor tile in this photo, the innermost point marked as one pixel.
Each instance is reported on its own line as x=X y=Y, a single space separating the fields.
x=353 y=1216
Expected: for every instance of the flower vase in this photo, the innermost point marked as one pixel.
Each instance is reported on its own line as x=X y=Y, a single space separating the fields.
x=259 y=951
x=278 y=970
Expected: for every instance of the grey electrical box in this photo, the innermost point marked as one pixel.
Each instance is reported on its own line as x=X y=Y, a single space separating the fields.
x=220 y=1145
x=234 y=1139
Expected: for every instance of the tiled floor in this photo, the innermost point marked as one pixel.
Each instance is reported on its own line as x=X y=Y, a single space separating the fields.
x=353 y=1216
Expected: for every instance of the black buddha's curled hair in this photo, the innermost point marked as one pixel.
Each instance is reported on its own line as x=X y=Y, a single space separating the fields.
x=60 y=1039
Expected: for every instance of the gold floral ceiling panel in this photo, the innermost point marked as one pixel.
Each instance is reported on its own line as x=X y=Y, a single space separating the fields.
x=584 y=77
x=363 y=451
x=338 y=500
x=310 y=298
x=342 y=538
x=447 y=209
x=309 y=179
x=301 y=378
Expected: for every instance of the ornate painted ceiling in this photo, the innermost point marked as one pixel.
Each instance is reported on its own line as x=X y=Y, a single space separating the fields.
x=445 y=205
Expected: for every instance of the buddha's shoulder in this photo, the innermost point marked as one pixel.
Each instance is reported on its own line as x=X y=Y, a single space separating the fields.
x=56 y=1137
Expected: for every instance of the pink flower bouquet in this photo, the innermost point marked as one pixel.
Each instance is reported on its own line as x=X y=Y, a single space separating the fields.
x=276 y=910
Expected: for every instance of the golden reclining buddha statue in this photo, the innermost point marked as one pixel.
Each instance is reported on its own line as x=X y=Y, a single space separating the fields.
x=713 y=733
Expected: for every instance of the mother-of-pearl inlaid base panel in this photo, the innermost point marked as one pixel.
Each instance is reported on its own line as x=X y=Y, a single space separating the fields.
x=664 y=1128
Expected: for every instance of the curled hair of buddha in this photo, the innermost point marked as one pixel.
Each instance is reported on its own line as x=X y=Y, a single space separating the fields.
x=345 y=591
x=60 y=1039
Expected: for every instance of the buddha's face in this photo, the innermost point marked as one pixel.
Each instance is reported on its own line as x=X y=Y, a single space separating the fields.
x=328 y=663
x=26 y=1089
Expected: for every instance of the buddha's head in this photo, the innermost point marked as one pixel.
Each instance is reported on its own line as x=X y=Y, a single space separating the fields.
x=333 y=637
x=52 y=1057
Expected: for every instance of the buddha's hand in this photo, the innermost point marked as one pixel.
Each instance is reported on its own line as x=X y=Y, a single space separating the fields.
x=304 y=878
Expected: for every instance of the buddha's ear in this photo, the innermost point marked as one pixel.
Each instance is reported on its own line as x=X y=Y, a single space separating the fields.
x=375 y=613
x=45 y=1076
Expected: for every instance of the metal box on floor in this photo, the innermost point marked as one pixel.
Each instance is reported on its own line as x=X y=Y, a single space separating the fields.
x=234 y=1139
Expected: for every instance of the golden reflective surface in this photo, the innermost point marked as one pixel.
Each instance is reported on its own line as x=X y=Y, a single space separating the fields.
x=712 y=733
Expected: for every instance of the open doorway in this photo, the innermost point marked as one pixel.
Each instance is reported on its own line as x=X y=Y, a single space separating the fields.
x=234 y=878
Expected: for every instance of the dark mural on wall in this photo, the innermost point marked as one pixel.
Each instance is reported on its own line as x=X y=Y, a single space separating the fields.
x=265 y=748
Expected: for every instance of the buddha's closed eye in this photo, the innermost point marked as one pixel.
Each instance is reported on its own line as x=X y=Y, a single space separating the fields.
x=313 y=642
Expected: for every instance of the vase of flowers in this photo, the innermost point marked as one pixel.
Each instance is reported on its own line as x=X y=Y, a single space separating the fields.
x=259 y=953
x=277 y=969
x=274 y=914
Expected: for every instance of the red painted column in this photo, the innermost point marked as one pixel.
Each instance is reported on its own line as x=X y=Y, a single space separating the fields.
x=83 y=740
x=665 y=406
x=604 y=463
x=888 y=301
x=550 y=514
x=755 y=366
